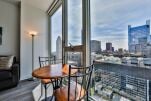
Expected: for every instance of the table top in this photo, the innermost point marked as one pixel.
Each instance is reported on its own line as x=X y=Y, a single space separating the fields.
x=52 y=71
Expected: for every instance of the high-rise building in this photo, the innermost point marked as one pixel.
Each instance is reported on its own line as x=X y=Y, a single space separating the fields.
x=138 y=37
x=95 y=46
x=109 y=47
x=59 y=48
x=147 y=51
x=112 y=49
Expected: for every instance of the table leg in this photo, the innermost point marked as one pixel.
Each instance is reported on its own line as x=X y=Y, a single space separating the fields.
x=57 y=83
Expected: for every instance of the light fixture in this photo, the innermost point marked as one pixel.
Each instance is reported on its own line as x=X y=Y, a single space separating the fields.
x=32 y=33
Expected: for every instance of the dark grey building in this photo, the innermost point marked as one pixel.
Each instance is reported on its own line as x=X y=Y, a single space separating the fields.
x=95 y=46
x=109 y=47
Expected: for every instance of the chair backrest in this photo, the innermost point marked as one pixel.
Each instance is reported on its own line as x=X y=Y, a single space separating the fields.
x=44 y=61
x=79 y=81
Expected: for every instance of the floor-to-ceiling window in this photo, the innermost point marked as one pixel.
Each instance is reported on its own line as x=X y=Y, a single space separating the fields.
x=74 y=31
x=121 y=43
x=74 y=22
x=56 y=33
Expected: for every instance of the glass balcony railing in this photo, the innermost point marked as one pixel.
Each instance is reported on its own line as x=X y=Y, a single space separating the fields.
x=117 y=82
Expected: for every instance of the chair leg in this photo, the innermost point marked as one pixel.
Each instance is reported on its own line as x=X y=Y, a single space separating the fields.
x=87 y=96
x=41 y=92
x=45 y=86
x=51 y=98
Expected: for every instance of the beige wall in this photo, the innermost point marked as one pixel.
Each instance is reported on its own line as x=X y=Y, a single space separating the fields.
x=9 y=20
x=32 y=19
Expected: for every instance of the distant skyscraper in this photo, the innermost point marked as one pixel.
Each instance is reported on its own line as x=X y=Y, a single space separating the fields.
x=95 y=46
x=59 y=48
x=109 y=47
x=112 y=49
x=138 y=37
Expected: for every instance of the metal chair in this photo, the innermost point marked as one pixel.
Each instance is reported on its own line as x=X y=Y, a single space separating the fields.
x=78 y=85
x=44 y=61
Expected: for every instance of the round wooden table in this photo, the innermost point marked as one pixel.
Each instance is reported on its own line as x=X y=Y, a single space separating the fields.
x=53 y=71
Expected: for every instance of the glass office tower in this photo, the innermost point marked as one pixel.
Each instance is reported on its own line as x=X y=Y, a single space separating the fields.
x=138 y=37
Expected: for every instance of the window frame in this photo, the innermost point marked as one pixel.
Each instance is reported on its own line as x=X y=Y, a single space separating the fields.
x=86 y=29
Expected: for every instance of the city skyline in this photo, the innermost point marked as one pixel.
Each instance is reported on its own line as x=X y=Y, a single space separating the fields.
x=106 y=26
x=94 y=42
x=109 y=23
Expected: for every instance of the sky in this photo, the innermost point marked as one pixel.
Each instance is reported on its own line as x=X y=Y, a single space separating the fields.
x=56 y=27
x=109 y=20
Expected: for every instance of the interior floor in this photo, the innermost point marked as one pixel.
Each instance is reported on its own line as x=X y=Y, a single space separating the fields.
x=23 y=92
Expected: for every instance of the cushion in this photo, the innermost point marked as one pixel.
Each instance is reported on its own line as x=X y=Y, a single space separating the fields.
x=6 y=62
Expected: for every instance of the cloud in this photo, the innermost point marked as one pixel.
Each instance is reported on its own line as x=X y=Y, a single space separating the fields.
x=74 y=21
x=110 y=19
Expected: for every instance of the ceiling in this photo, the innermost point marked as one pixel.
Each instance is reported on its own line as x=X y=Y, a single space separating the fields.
x=11 y=1
x=41 y=4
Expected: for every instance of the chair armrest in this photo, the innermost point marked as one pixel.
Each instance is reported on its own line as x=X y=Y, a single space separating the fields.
x=15 y=72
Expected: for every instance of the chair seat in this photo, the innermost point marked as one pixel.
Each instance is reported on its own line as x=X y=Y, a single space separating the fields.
x=46 y=81
x=61 y=94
